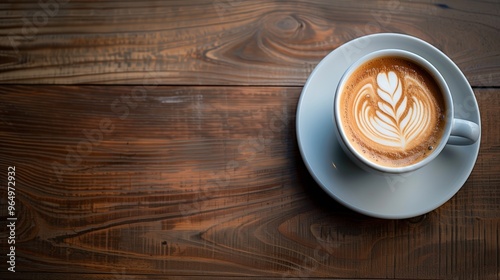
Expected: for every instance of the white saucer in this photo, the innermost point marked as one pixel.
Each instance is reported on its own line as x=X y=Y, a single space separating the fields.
x=382 y=196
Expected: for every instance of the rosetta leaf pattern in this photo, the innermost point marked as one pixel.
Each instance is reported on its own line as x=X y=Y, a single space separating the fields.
x=395 y=121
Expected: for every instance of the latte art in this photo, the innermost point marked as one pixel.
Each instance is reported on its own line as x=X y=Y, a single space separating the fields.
x=396 y=120
x=393 y=111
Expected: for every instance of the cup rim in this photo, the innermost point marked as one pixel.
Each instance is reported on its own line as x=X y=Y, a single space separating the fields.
x=447 y=96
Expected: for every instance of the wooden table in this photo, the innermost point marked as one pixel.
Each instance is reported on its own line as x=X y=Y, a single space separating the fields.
x=156 y=140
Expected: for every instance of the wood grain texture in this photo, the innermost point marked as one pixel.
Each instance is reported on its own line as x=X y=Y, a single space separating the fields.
x=208 y=181
x=179 y=158
x=95 y=276
x=226 y=42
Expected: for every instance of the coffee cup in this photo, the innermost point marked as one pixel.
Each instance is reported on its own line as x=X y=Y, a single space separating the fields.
x=394 y=113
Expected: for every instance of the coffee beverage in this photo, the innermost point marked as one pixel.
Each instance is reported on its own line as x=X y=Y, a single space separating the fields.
x=392 y=111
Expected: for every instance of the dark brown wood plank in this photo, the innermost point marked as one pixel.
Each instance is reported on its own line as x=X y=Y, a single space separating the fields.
x=200 y=181
x=226 y=42
x=122 y=276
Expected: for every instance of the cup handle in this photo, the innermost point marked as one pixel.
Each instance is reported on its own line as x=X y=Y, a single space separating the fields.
x=463 y=132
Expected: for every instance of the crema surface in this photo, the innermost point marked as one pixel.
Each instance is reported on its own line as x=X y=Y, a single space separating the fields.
x=393 y=111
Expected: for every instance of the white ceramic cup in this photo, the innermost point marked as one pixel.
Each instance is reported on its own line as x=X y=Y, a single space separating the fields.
x=456 y=131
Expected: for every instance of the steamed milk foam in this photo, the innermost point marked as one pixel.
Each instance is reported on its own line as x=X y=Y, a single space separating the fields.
x=393 y=111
